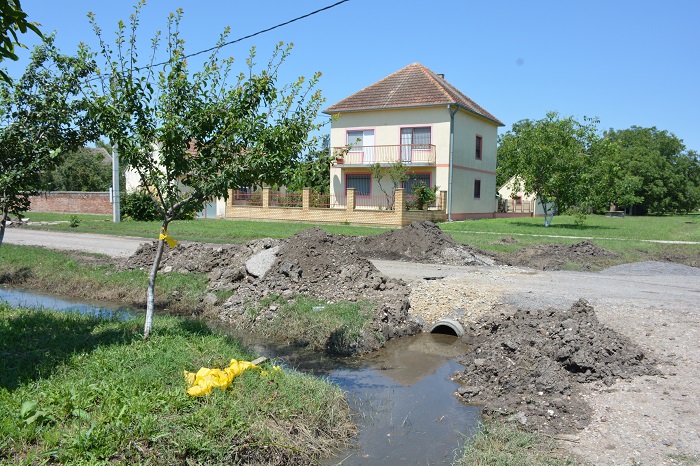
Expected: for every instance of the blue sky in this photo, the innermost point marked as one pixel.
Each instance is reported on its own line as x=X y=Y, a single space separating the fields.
x=625 y=62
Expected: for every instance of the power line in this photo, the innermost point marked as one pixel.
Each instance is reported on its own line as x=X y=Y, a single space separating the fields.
x=262 y=31
x=250 y=35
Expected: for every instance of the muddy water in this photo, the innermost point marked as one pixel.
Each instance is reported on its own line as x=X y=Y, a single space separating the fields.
x=402 y=395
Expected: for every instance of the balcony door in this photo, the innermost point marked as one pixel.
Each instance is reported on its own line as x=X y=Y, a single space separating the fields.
x=362 y=144
x=414 y=139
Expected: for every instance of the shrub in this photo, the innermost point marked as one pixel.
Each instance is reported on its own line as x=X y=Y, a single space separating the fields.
x=140 y=206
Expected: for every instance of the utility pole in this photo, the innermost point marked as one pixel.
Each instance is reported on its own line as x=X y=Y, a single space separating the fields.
x=115 y=186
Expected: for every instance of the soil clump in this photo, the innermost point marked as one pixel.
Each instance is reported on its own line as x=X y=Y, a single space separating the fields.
x=586 y=255
x=422 y=242
x=528 y=366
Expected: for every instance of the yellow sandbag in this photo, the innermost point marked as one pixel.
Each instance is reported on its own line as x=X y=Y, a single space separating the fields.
x=206 y=379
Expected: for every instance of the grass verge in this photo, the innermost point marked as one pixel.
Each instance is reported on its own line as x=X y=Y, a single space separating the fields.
x=506 y=445
x=81 y=390
x=337 y=328
x=94 y=277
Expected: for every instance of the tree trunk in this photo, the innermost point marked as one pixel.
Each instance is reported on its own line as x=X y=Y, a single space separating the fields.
x=150 y=296
x=3 y=223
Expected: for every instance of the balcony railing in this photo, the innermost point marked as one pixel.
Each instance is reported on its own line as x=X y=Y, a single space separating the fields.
x=369 y=155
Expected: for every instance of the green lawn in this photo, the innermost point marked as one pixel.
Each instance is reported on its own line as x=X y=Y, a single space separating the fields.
x=86 y=390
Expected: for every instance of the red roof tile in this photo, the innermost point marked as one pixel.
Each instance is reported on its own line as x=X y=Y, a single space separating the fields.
x=412 y=86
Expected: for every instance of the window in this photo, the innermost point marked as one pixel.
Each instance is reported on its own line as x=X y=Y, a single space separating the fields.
x=414 y=139
x=414 y=179
x=361 y=183
x=478 y=148
x=359 y=138
x=477 y=189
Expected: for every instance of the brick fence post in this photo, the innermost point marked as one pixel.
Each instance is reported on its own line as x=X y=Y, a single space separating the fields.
x=350 y=202
x=306 y=199
x=266 y=198
x=443 y=201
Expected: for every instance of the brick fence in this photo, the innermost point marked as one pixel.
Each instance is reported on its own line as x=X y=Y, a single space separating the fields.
x=349 y=213
x=72 y=202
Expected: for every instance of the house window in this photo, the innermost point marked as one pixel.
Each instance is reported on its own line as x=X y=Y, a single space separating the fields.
x=414 y=139
x=414 y=180
x=478 y=148
x=477 y=189
x=359 y=138
x=361 y=183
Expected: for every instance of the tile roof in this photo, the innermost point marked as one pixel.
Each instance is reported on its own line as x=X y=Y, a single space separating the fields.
x=412 y=86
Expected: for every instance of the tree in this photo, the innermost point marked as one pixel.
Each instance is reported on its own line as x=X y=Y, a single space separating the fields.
x=667 y=175
x=12 y=19
x=549 y=156
x=41 y=116
x=193 y=136
x=313 y=170
x=81 y=170
x=396 y=172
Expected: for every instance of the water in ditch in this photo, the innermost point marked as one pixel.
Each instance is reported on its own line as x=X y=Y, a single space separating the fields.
x=401 y=395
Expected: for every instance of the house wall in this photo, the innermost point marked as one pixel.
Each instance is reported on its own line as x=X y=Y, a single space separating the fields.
x=387 y=126
x=510 y=190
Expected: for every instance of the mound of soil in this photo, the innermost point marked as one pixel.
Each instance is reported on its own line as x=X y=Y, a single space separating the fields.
x=224 y=264
x=421 y=242
x=326 y=267
x=527 y=367
x=554 y=256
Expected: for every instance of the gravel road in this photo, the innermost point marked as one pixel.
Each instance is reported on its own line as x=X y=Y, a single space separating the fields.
x=648 y=420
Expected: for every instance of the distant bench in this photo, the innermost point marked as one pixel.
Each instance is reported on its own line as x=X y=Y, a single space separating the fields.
x=615 y=213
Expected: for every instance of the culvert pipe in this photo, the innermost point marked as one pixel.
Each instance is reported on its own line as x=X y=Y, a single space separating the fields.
x=448 y=326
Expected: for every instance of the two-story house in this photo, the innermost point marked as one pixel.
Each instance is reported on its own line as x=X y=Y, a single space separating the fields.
x=415 y=116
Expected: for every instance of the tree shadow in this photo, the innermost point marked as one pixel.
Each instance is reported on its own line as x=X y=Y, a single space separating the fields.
x=34 y=345
x=561 y=226
x=15 y=277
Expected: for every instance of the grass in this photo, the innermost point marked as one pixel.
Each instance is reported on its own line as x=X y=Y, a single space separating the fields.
x=204 y=230
x=94 y=277
x=665 y=228
x=81 y=390
x=506 y=445
x=333 y=327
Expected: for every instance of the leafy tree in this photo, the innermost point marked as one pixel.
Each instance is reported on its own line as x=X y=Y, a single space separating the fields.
x=665 y=176
x=41 y=116
x=396 y=172
x=193 y=136
x=12 y=20
x=81 y=170
x=313 y=171
x=549 y=156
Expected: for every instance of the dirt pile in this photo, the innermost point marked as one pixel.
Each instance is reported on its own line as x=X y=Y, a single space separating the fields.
x=224 y=264
x=421 y=242
x=327 y=267
x=527 y=367
x=586 y=254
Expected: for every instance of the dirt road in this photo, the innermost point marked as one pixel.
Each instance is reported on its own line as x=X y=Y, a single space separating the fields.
x=115 y=246
x=645 y=420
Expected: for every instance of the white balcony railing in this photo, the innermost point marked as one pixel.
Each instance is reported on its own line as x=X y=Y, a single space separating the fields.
x=412 y=154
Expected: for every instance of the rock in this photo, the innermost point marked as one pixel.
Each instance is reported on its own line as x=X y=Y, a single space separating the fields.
x=258 y=264
x=210 y=299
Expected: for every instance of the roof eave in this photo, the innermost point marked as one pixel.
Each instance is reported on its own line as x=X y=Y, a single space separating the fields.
x=375 y=109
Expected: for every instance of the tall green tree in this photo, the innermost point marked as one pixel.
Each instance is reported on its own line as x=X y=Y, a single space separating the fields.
x=549 y=156
x=12 y=20
x=668 y=174
x=43 y=115
x=81 y=170
x=313 y=170
x=192 y=136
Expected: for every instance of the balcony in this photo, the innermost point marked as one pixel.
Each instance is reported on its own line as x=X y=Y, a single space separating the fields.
x=409 y=154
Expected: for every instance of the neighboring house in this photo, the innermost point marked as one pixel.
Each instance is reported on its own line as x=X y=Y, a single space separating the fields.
x=414 y=115
x=514 y=198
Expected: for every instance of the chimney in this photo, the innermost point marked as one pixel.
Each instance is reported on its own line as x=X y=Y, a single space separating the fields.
x=441 y=75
